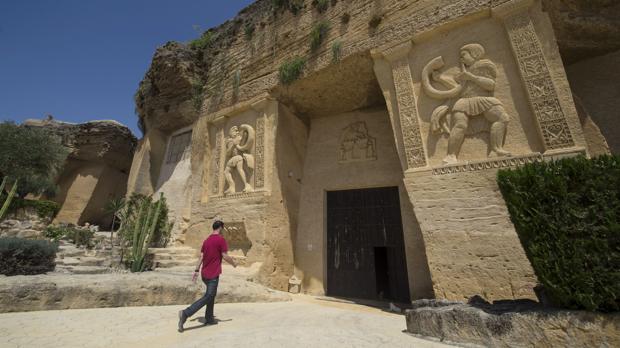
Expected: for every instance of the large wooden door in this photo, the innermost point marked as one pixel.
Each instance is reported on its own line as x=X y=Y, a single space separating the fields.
x=365 y=247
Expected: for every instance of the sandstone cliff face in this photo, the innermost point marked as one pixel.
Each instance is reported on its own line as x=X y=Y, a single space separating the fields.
x=236 y=65
x=584 y=28
x=96 y=169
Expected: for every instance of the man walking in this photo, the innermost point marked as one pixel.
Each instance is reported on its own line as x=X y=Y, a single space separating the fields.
x=214 y=249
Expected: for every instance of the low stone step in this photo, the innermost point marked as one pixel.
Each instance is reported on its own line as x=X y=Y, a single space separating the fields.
x=88 y=269
x=92 y=261
x=181 y=257
x=173 y=263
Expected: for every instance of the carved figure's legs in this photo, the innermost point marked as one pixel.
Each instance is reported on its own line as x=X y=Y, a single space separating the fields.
x=457 y=134
x=229 y=181
x=499 y=122
x=241 y=171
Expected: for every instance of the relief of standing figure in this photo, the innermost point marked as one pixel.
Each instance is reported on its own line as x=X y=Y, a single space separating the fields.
x=238 y=146
x=474 y=87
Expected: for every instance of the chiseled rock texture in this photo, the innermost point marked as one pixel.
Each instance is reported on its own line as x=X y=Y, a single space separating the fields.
x=512 y=324
x=70 y=291
x=584 y=28
x=96 y=169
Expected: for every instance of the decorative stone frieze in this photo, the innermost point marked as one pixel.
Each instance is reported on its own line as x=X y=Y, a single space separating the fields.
x=542 y=95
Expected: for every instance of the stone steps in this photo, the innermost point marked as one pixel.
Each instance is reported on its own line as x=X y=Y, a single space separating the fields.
x=174 y=257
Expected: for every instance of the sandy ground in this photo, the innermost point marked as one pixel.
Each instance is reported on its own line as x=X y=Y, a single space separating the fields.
x=303 y=322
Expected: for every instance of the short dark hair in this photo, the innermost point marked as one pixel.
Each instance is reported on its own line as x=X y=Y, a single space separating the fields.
x=217 y=224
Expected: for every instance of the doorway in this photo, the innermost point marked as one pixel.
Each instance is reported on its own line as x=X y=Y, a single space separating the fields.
x=365 y=245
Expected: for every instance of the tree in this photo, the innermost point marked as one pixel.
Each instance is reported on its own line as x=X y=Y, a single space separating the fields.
x=31 y=155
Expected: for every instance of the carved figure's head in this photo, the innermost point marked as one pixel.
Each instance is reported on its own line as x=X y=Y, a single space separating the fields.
x=471 y=53
x=233 y=132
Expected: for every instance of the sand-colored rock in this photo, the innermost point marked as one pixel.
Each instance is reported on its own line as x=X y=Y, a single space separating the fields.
x=429 y=97
x=71 y=291
x=514 y=325
x=95 y=171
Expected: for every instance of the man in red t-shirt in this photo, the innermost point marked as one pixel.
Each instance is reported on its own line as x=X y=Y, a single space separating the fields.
x=214 y=249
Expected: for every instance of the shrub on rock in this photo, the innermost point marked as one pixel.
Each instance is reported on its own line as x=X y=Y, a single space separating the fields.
x=23 y=256
x=567 y=215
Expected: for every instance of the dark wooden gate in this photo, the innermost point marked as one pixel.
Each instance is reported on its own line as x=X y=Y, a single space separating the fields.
x=365 y=247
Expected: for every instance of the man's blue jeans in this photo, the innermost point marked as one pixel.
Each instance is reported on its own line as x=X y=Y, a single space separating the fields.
x=208 y=299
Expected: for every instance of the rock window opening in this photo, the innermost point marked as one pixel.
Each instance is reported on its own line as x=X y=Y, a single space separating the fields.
x=178 y=144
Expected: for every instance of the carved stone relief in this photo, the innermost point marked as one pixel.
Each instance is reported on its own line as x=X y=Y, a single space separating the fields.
x=217 y=155
x=238 y=155
x=410 y=127
x=356 y=144
x=538 y=84
x=259 y=171
x=470 y=106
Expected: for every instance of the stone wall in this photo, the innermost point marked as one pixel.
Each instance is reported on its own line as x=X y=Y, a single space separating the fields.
x=325 y=171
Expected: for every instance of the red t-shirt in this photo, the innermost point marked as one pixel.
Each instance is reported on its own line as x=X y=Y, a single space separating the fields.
x=212 y=249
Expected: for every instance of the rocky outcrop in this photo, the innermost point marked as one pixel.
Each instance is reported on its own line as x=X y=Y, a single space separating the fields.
x=70 y=291
x=95 y=171
x=513 y=324
x=106 y=141
x=170 y=95
x=585 y=28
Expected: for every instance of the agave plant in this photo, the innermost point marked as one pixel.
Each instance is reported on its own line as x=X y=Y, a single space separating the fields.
x=142 y=226
x=9 y=198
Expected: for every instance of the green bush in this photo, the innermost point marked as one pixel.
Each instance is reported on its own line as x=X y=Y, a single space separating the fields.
x=23 y=256
x=336 y=51
x=320 y=5
x=567 y=215
x=55 y=233
x=44 y=209
x=318 y=34
x=78 y=236
x=204 y=41
x=291 y=70
x=294 y=6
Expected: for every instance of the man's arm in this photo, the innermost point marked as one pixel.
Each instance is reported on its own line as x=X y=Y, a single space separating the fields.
x=229 y=259
x=197 y=269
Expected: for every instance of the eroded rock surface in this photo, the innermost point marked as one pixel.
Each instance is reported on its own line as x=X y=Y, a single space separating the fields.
x=513 y=324
x=585 y=28
x=71 y=291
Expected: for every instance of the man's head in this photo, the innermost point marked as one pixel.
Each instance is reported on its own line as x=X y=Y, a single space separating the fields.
x=218 y=225
x=471 y=53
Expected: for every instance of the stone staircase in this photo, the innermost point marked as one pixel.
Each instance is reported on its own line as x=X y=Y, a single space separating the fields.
x=174 y=257
x=71 y=259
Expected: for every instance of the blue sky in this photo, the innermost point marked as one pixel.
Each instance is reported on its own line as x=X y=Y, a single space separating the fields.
x=82 y=60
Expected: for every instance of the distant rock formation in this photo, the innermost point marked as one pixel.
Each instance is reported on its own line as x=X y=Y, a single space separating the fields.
x=96 y=169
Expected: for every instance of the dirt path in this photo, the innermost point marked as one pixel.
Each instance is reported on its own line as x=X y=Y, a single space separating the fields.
x=303 y=322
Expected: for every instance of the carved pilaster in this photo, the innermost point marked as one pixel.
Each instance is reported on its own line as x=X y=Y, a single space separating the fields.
x=406 y=105
x=259 y=171
x=217 y=163
x=541 y=92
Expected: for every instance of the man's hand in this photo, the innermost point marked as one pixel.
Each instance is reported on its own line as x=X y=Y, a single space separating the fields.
x=195 y=276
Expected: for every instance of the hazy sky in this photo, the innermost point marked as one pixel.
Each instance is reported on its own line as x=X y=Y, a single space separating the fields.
x=82 y=60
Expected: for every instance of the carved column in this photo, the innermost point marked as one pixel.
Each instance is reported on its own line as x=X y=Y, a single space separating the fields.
x=542 y=94
x=217 y=163
x=405 y=102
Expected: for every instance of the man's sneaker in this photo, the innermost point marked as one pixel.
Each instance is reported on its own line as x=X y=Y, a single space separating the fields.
x=211 y=321
x=182 y=319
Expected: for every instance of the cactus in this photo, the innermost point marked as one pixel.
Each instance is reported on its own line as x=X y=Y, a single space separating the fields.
x=9 y=198
x=143 y=227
